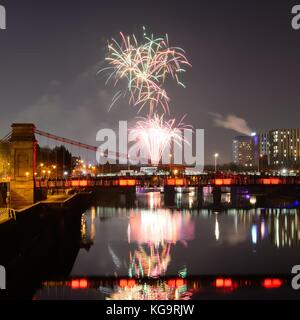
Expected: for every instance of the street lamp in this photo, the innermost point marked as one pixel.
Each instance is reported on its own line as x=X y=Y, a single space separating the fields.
x=216 y=156
x=55 y=168
x=170 y=162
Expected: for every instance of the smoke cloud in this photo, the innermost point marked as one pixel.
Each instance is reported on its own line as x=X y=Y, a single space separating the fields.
x=232 y=122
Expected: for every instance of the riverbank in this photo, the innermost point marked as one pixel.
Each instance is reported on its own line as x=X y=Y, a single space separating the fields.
x=42 y=239
x=53 y=202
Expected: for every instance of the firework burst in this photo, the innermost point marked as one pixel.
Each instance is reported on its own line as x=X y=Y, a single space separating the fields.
x=145 y=67
x=154 y=135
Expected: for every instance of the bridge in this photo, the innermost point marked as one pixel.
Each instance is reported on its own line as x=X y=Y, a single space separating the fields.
x=25 y=189
x=179 y=182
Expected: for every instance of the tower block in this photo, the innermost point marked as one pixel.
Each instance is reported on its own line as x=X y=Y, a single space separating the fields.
x=23 y=165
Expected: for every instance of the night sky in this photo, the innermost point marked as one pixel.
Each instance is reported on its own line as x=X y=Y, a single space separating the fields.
x=245 y=57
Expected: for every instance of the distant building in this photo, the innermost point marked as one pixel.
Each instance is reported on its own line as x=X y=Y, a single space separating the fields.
x=263 y=144
x=278 y=148
x=284 y=148
x=245 y=151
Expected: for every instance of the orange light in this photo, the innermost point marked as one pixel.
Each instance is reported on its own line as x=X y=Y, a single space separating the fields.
x=220 y=182
x=227 y=181
x=172 y=283
x=224 y=283
x=83 y=283
x=131 y=182
x=79 y=284
x=171 y=182
x=75 y=284
x=272 y=283
x=75 y=183
x=271 y=181
x=123 y=283
x=127 y=182
x=83 y=183
x=179 y=182
x=123 y=183
x=219 y=283
x=179 y=282
x=131 y=283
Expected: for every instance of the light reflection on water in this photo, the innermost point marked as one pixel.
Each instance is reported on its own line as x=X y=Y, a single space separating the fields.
x=149 y=240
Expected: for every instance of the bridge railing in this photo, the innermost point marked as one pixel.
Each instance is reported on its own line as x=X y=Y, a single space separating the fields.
x=170 y=181
x=85 y=183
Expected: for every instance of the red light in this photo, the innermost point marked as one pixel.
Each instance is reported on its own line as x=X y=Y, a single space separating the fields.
x=272 y=283
x=172 y=283
x=277 y=283
x=228 y=283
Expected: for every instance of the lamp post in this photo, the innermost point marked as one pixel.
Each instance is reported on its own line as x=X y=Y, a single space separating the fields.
x=216 y=156
x=170 y=162
x=55 y=168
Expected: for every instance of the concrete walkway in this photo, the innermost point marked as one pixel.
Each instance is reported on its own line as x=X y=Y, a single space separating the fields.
x=56 y=198
x=4 y=215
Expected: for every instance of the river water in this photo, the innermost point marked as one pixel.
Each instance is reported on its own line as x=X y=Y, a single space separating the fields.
x=145 y=239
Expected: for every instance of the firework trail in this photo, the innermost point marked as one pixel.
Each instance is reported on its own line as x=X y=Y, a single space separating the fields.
x=154 y=135
x=145 y=67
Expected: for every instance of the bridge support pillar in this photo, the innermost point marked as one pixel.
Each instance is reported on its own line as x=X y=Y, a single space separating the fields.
x=217 y=195
x=23 y=165
x=169 y=195
x=234 y=195
x=200 y=196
